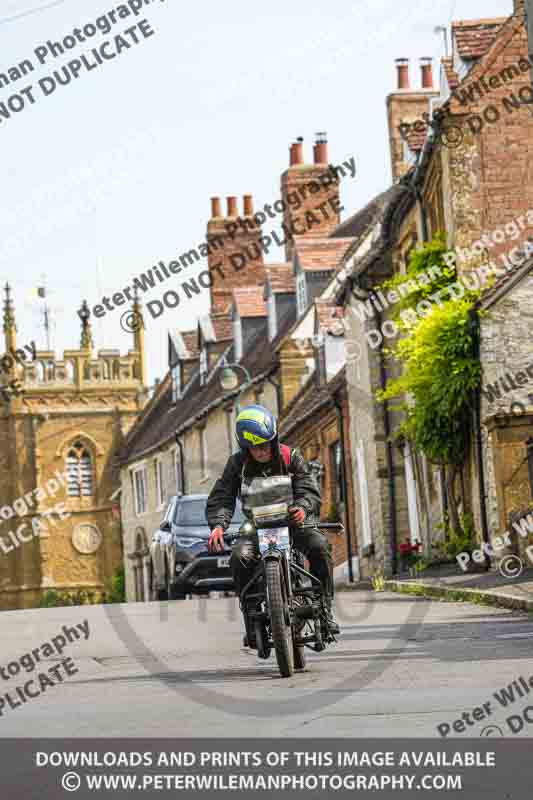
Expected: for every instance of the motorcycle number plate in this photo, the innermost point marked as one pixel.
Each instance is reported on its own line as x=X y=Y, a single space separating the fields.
x=273 y=537
x=223 y=563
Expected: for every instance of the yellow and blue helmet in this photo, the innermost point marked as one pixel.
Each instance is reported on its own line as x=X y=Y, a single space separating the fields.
x=255 y=425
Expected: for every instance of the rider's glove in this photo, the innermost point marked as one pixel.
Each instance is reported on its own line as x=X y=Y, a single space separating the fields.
x=215 y=543
x=297 y=514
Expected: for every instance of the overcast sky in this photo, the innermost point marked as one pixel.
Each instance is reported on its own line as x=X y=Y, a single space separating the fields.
x=113 y=172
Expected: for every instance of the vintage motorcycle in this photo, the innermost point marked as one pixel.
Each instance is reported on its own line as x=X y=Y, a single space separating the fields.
x=283 y=603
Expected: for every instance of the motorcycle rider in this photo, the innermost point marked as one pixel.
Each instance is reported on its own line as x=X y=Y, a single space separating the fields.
x=262 y=456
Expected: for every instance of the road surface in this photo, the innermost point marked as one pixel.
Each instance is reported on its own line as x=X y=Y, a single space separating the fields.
x=402 y=667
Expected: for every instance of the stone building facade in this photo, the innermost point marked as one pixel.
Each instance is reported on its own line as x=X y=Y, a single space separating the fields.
x=466 y=175
x=70 y=416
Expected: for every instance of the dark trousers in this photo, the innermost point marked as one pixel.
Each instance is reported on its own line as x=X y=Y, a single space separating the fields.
x=311 y=543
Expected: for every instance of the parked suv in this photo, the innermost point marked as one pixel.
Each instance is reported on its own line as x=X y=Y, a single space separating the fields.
x=181 y=563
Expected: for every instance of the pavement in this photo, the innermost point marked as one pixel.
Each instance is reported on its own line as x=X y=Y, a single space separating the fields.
x=402 y=667
x=491 y=587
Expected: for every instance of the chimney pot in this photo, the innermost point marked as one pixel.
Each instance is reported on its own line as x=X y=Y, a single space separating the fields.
x=320 y=149
x=426 y=72
x=248 y=205
x=232 y=207
x=297 y=152
x=216 y=210
x=402 y=65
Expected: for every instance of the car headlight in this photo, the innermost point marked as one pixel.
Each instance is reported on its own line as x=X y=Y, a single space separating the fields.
x=187 y=541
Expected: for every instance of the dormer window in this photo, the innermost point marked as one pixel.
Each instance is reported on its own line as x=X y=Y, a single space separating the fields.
x=203 y=365
x=301 y=295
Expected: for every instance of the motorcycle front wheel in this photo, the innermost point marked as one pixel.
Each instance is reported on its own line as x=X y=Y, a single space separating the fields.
x=279 y=619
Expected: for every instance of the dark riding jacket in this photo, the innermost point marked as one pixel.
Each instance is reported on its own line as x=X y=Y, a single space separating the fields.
x=221 y=501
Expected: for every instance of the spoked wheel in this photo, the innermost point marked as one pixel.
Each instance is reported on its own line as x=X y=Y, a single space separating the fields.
x=279 y=620
x=299 y=628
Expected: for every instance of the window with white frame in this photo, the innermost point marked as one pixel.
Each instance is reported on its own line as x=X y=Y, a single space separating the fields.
x=203 y=365
x=159 y=482
x=176 y=383
x=301 y=296
x=140 y=490
x=79 y=471
x=272 y=322
x=237 y=337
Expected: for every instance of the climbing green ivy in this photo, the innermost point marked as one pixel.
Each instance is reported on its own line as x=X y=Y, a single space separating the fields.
x=439 y=366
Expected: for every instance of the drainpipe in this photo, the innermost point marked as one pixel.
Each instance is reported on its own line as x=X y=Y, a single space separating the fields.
x=182 y=470
x=477 y=431
x=338 y=408
x=425 y=232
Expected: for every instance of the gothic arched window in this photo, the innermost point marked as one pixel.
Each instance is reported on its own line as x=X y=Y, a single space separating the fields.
x=79 y=471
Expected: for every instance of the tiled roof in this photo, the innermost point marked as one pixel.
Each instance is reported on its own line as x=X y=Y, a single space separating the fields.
x=472 y=38
x=451 y=75
x=249 y=301
x=321 y=254
x=356 y=225
x=159 y=426
x=223 y=327
x=329 y=316
x=507 y=281
x=280 y=277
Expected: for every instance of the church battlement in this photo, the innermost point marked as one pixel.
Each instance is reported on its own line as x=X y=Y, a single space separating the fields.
x=70 y=414
x=79 y=370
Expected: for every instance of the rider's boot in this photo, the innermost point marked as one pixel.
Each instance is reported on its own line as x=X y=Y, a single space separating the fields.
x=249 y=639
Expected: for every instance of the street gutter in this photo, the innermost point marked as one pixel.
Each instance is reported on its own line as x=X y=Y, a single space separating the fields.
x=463 y=595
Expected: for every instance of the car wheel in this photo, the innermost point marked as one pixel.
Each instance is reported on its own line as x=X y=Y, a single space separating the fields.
x=176 y=594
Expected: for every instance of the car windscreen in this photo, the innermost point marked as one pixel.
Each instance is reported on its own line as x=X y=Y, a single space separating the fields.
x=192 y=512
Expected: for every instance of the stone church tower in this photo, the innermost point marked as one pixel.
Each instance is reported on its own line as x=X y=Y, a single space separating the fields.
x=61 y=425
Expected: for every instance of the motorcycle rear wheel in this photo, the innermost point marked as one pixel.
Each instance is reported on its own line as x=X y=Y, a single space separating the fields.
x=281 y=631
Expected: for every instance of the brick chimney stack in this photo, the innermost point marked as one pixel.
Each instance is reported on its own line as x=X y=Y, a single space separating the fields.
x=234 y=253
x=426 y=73
x=304 y=189
x=406 y=106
